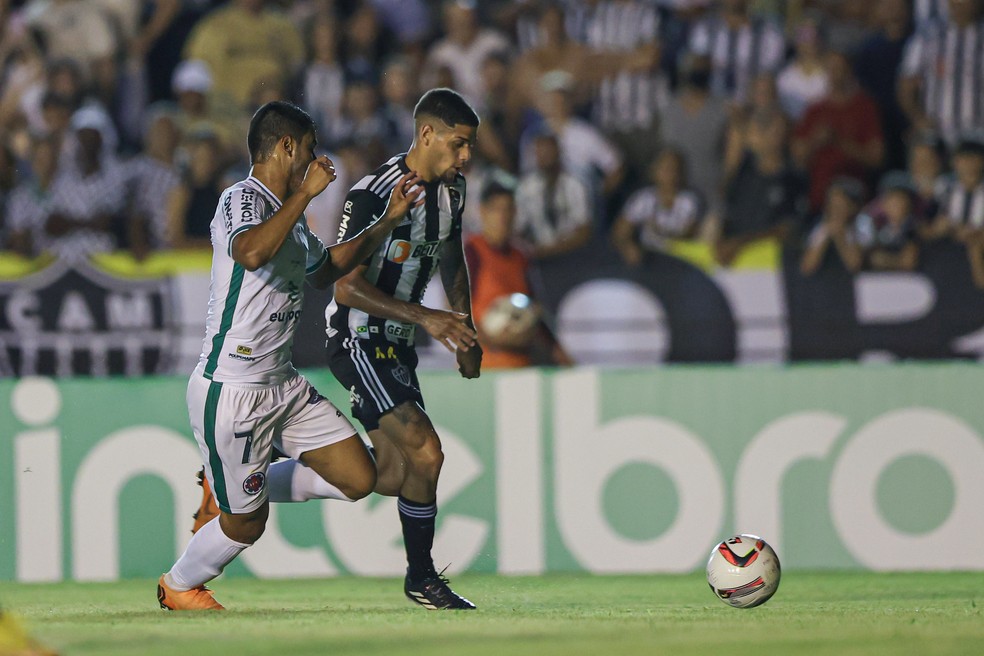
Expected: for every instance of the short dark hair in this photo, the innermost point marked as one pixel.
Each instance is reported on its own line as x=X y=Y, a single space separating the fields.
x=272 y=122
x=447 y=106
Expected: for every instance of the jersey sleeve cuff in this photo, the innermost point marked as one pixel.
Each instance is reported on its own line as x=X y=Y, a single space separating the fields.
x=317 y=265
x=237 y=232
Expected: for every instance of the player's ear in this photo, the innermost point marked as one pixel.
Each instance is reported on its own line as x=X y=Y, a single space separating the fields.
x=426 y=133
x=287 y=142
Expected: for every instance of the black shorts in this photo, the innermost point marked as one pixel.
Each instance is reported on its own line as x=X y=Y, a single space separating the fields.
x=379 y=375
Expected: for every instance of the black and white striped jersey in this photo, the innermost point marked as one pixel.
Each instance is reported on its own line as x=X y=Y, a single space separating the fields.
x=949 y=62
x=626 y=100
x=738 y=55
x=405 y=262
x=962 y=206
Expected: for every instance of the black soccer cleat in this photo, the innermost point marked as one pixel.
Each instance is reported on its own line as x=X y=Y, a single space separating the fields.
x=434 y=593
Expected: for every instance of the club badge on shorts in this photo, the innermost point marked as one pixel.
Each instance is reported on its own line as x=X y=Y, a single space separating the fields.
x=254 y=483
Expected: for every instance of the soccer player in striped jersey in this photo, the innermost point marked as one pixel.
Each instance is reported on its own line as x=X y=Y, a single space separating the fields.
x=245 y=397
x=377 y=309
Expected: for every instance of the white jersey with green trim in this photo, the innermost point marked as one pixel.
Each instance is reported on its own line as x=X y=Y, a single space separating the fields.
x=252 y=315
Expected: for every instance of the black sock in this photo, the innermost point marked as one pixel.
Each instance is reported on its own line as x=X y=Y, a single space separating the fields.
x=418 y=536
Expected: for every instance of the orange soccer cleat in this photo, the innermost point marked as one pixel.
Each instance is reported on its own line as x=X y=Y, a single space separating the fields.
x=209 y=510
x=199 y=598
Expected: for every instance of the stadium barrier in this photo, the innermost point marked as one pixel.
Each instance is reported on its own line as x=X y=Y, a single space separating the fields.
x=634 y=470
x=119 y=316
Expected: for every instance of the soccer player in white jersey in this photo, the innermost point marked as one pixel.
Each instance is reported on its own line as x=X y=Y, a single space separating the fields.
x=377 y=308
x=245 y=397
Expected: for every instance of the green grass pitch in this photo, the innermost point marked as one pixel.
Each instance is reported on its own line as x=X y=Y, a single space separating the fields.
x=564 y=615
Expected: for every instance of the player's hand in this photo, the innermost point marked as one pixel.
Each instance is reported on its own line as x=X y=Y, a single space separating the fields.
x=319 y=175
x=470 y=361
x=450 y=329
x=408 y=193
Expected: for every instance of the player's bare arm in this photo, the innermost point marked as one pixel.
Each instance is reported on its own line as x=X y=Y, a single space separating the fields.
x=345 y=256
x=454 y=277
x=255 y=247
x=448 y=328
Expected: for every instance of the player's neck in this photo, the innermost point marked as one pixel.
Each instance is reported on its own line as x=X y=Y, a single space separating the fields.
x=275 y=183
x=413 y=160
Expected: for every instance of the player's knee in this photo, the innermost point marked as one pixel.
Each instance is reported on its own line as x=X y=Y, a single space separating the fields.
x=427 y=460
x=245 y=529
x=360 y=485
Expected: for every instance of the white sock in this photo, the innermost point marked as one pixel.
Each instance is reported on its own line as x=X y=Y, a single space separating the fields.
x=207 y=554
x=290 y=480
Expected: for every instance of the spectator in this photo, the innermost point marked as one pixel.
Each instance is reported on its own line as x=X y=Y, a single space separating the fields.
x=399 y=91
x=554 y=50
x=365 y=44
x=763 y=195
x=192 y=203
x=631 y=89
x=584 y=151
x=153 y=176
x=361 y=121
x=242 y=43
x=836 y=228
x=938 y=90
x=499 y=133
x=498 y=268
x=89 y=193
x=324 y=77
x=63 y=79
x=71 y=29
x=696 y=123
x=463 y=49
x=886 y=229
x=926 y=158
x=847 y=25
x=664 y=211
x=877 y=66
x=739 y=46
x=30 y=202
x=961 y=207
x=840 y=134
x=553 y=207
x=804 y=80
x=192 y=83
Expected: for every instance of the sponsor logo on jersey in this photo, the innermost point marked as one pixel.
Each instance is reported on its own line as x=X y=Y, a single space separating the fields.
x=244 y=350
x=254 y=483
x=293 y=292
x=400 y=250
x=400 y=330
x=346 y=215
x=279 y=317
x=244 y=358
x=362 y=329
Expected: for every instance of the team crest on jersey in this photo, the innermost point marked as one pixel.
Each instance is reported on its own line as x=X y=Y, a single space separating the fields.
x=402 y=374
x=254 y=483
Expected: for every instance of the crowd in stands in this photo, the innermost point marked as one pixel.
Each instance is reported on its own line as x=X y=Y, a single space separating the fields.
x=850 y=128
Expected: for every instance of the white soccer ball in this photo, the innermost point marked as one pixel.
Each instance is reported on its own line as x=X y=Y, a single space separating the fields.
x=743 y=571
x=511 y=318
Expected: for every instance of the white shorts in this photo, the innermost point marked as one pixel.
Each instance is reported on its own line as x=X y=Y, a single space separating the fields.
x=237 y=426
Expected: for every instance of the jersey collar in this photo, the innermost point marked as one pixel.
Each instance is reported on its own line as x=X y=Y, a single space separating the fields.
x=262 y=188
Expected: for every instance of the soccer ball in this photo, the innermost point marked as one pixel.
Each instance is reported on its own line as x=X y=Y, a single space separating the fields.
x=743 y=571
x=511 y=320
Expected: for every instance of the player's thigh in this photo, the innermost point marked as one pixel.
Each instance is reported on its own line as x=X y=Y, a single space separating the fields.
x=311 y=424
x=346 y=464
x=409 y=428
x=234 y=428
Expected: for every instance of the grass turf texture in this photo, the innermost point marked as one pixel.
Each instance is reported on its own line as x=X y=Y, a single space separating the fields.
x=813 y=613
